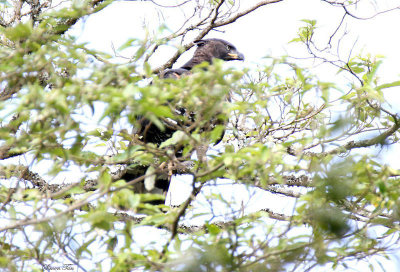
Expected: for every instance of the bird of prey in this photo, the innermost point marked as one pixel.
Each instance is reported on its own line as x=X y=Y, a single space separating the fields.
x=207 y=50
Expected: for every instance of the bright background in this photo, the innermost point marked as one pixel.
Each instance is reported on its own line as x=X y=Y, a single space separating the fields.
x=265 y=32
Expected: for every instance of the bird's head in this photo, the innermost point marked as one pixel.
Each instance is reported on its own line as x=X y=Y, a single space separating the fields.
x=219 y=49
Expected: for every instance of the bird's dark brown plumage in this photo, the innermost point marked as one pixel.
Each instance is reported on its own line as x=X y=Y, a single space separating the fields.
x=207 y=50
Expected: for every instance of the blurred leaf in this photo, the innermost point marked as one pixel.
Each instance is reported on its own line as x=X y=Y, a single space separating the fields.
x=150 y=180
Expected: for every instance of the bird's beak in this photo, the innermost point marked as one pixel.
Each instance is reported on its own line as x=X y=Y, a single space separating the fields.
x=236 y=56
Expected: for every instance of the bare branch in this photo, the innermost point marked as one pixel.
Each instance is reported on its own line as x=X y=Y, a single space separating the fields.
x=213 y=23
x=380 y=139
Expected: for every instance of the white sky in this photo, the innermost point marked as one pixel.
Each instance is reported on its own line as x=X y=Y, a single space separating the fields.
x=265 y=32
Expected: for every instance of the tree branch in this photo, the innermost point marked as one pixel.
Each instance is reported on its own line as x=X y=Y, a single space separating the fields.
x=214 y=23
x=380 y=139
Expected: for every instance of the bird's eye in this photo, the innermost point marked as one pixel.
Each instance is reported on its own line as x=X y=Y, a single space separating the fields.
x=228 y=47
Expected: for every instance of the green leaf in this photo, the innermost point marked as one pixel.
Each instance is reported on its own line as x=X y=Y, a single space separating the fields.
x=388 y=85
x=150 y=180
x=213 y=229
x=155 y=220
x=84 y=247
x=105 y=178
x=101 y=220
x=128 y=43
x=112 y=243
x=217 y=132
x=20 y=31
x=129 y=153
x=178 y=137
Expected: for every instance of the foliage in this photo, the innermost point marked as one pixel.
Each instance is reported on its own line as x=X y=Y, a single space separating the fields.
x=67 y=110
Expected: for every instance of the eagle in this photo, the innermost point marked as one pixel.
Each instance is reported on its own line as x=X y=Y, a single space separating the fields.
x=207 y=50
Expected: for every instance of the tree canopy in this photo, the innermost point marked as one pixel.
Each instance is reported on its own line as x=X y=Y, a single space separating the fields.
x=308 y=144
